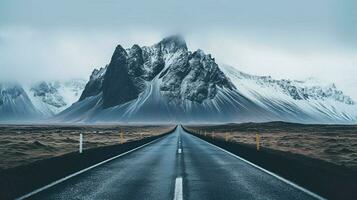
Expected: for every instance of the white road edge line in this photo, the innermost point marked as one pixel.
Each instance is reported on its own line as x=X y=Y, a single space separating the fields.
x=266 y=171
x=178 y=189
x=82 y=171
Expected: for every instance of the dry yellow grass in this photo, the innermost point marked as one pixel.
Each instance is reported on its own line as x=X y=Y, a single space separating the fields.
x=21 y=145
x=335 y=144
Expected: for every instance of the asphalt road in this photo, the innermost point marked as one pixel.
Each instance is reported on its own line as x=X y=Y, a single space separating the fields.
x=177 y=166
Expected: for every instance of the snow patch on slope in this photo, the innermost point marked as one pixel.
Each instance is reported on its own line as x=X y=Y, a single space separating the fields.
x=29 y=102
x=15 y=103
x=168 y=83
x=320 y=100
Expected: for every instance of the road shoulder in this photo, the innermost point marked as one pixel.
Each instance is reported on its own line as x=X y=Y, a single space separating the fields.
x=323 y=178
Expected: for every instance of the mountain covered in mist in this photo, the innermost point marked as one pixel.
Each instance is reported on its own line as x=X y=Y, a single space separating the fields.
x=166 y=82
x=36 y=101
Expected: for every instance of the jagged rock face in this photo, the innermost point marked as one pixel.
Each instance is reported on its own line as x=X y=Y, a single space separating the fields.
x=37 y=100
x=56 y=95
x=14 y=103
x=48 y=92
x=203 y=78
x=12 y=91
x=168 y=83
x=183 y=75
x=118 y=84
x=95 y=84
x=301 y=90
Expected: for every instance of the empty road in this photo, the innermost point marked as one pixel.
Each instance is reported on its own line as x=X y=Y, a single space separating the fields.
x=177 y=166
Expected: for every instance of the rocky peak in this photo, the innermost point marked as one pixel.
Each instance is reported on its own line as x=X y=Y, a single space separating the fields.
x=203 y=79
x=172 y=44
x=98 y=73
x=135 y=51
x=119 y=56
x=42 y=88
x=10 y=90
x=95 y=83
x=135 y=61
x=118 y=86
x=307 y=90
x=199 y=53
x=48 y=93
x=183 y=75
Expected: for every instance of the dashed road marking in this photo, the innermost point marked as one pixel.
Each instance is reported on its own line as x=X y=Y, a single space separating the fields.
x=178 y=189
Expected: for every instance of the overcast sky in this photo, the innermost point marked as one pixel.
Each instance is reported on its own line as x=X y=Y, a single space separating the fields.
x=44 y=39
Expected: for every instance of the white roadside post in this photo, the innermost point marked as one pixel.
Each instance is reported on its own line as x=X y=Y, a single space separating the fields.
x=80 y=143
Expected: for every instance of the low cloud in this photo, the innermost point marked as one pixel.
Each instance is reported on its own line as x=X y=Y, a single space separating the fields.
x=28 y=54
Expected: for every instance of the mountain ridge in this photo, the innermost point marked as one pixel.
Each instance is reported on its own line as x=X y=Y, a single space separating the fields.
x=166 y=82
x=38 y=100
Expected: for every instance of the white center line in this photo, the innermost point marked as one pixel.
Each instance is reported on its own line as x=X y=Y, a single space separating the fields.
x=179 y=150
x=178 y=189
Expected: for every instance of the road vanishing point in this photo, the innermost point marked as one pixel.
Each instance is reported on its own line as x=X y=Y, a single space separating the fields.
x=176 y=166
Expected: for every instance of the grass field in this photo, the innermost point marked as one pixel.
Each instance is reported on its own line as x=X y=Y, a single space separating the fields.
x=23 y=144
x=333 y=143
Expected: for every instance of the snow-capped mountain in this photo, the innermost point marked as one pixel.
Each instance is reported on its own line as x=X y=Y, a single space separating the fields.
x=52 y=97
x=320 y=102
x=27 y=102
x=168 y=83
x=15 y=103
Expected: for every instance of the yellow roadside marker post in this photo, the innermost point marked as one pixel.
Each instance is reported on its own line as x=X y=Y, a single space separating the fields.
x=227 y=137
x=257 y=139
x=121 y=137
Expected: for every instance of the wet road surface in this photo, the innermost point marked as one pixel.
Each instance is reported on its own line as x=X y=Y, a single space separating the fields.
x=177 y=166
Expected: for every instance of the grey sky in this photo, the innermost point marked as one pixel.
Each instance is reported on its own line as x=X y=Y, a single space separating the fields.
x=292 y=39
